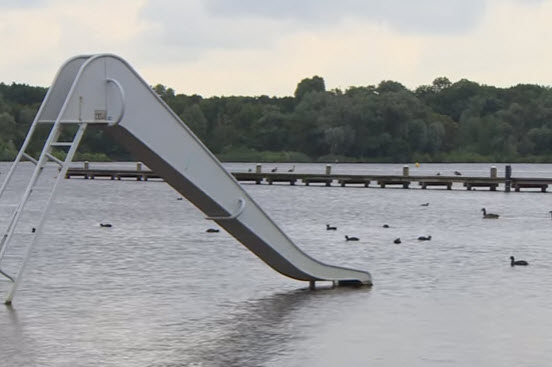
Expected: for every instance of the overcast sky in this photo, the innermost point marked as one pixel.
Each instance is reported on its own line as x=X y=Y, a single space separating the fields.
x=255 y=47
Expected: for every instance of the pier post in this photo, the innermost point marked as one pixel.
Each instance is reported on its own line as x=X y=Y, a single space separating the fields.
x=406 y=171
x=328 y=172
x=508 y=178
x=493 y=172
x=258 y=170
x=86 y=167
x=138 y=168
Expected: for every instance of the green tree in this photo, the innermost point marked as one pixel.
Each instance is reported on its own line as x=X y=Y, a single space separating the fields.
x=441 y=83
x=193 y=117
x=309 y=85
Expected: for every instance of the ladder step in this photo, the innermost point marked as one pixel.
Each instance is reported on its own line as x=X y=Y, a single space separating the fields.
x=62 y=144
x=54 y=159
x=35 y=162
x=7 y=276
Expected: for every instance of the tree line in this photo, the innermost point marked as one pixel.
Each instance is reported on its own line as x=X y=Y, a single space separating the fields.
x=442 y=122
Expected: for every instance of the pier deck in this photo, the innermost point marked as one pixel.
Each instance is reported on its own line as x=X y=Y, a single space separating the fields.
x=445 y=182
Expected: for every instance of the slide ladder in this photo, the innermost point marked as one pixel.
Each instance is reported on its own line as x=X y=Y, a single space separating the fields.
x=105 y=90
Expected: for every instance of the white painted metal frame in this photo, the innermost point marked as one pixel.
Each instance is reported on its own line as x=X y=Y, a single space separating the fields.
x=45 y=156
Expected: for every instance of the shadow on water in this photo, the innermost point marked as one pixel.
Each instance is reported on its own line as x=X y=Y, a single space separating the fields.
x=261 y=330
x=16 y=351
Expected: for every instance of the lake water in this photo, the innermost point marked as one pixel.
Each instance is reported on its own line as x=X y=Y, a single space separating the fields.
x=156 y=290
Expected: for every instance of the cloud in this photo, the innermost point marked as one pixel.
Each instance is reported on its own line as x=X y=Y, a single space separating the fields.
x=15 y=4
x=504 y=48
x=202 y=25
x=215 y=47
x=36 y=39
x=418 y=16
x=198 y=26
x=188 y=25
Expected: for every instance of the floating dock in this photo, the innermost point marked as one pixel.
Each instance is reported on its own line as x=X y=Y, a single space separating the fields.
x=329 y=179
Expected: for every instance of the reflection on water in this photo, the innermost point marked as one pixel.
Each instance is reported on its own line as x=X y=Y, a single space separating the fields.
x=257 y=331
x=262 y=325
x=156 y=290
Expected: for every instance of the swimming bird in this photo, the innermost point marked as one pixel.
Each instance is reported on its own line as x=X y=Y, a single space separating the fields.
x=426 y=204
x=424 y=238
x=397 y=241
x=514 y=262
x=330 y=228
x=212 y=230
x=457 y=173
x=347 y=238
x=438 y=174
x=550 y=212
x=386 y=226
x=178 y=198
x=106 y=225
x=274 y=169
x=250 y=170
x=292 y=169
x=33 y=230
x=489 y=215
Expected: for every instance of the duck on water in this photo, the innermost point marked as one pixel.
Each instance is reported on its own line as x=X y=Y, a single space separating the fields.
x=489 y=215
x=347 y=238
x=514 y=262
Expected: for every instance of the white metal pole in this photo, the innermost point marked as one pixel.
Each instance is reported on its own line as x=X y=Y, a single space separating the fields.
x=61 y=176
x=54 y=134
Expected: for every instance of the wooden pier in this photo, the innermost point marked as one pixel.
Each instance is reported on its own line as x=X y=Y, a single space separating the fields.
x=113 y=174
x=402 y=181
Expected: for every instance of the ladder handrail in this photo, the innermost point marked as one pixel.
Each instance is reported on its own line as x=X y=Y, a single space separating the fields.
x=34 y=125
x=52 y=137
x=6 y=238
x=40 y=225
x=42 y=160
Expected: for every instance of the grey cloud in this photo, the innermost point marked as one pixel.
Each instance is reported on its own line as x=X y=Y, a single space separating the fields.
x=190 y=25
x=206 y=24
x=15 y=4
x=413 y=16
x=199 y=25
x=532 y=1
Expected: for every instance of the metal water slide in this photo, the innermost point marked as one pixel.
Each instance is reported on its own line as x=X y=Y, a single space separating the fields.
x=104 y=90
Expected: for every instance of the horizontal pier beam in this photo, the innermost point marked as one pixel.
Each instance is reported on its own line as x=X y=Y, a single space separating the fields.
x=492 y=183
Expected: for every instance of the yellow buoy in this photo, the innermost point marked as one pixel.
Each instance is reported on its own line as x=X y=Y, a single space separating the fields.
x=417 y=164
